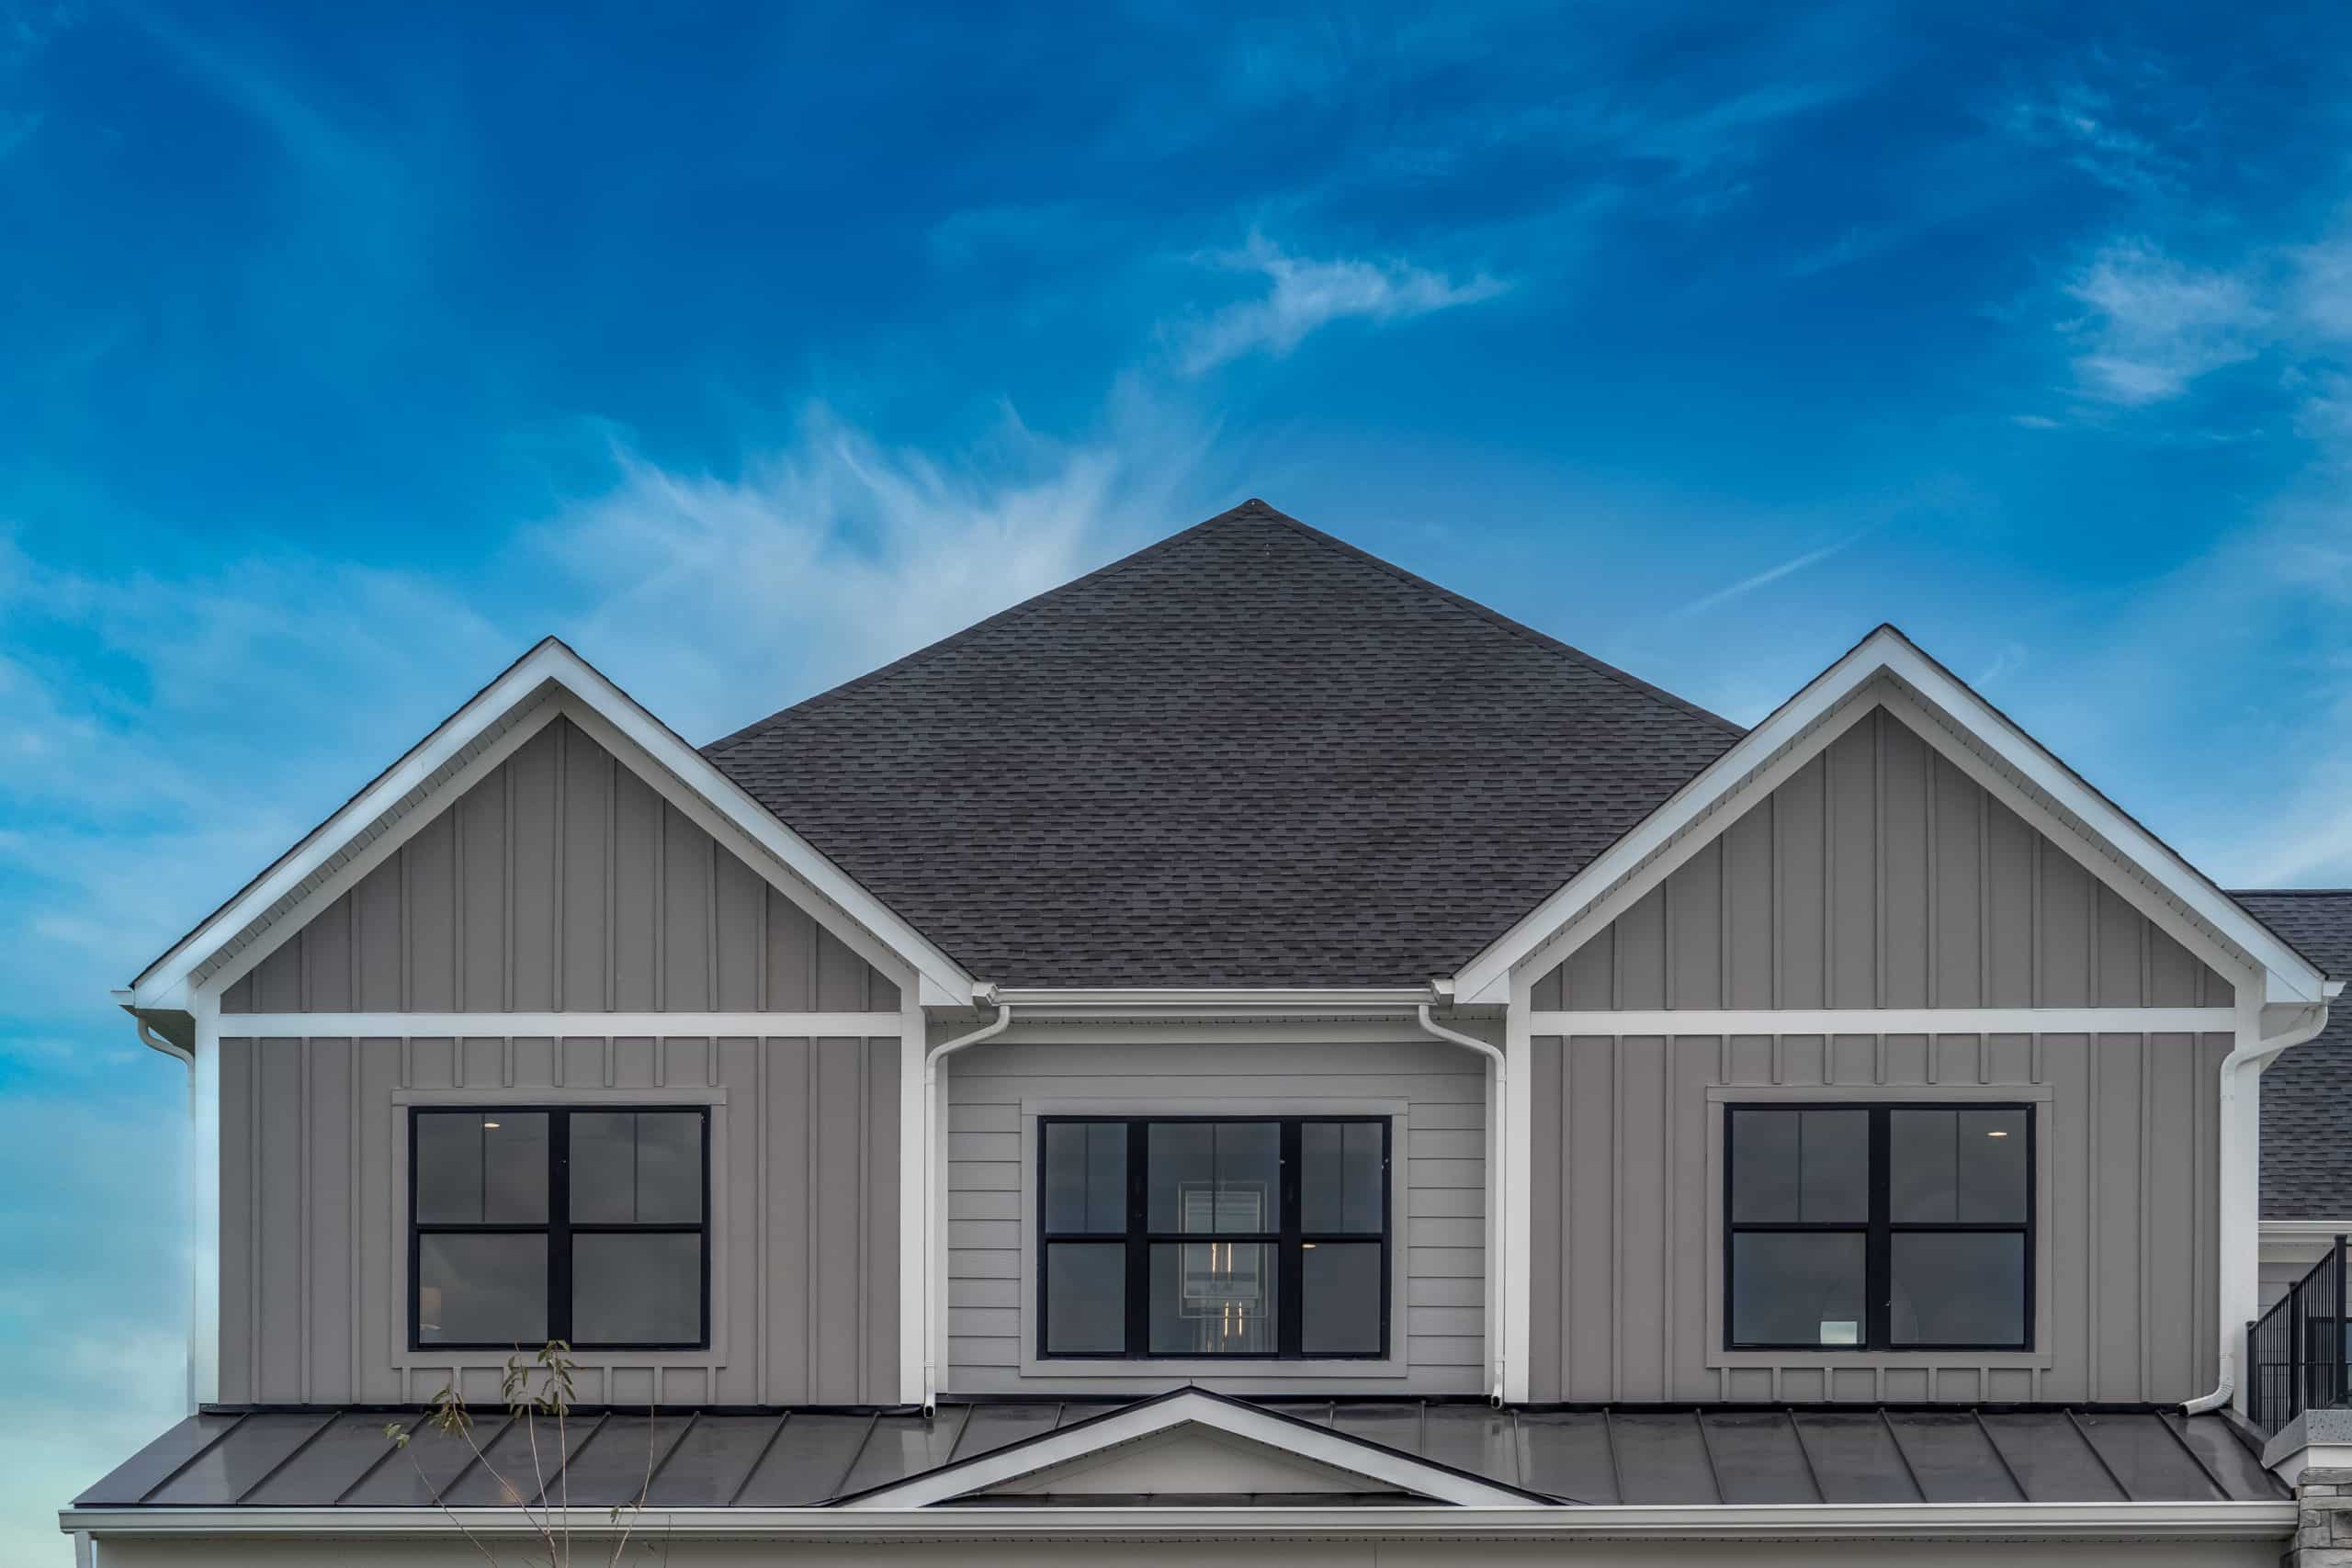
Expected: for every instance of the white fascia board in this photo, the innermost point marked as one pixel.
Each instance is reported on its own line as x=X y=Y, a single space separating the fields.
x=2090 y=1523
x=2321 y=1230
x=1888 y=654
x=558 y=1025
x=165 y=983
x=1192 y=1408
x=1887 y=1021
x=1179 y=1001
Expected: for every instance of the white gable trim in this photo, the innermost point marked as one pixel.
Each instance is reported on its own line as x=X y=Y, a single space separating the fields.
x=487 y=722
x=1885 y=667
x=1192 y=1408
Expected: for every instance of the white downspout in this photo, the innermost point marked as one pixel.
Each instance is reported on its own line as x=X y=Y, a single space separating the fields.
x=2244 y=1065
x=186 y=1058
x=932 y=1269
x=1497 y=1266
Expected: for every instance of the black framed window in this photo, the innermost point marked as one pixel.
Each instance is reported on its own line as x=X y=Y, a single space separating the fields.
x=1880 y=1227
x=528 y=1224
x=1262 y=1237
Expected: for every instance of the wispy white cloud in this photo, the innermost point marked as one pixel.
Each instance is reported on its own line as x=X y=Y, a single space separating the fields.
x=1302 y=295
x=2090 y=127
x=2153 y=324
x=1769 y=575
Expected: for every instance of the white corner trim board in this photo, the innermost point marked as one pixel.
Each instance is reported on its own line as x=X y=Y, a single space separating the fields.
x=586 y=696
x=1919 y=684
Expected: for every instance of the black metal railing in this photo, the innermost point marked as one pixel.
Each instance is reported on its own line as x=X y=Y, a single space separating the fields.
x=2299 y=1352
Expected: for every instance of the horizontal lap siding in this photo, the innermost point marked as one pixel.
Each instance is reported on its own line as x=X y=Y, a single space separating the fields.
x=1442 y=1224
x=1880 y=875
x=561 y=882
x=1622 y=1236
x=804 y=1241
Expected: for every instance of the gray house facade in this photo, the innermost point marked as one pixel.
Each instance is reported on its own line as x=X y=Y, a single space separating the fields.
x=1247 y=1047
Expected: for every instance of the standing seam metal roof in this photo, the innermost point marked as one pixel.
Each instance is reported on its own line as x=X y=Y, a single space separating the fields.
x=326 y=1458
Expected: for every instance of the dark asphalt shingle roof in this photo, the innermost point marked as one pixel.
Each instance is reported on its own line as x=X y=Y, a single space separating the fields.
x=1247 y=755
x=2307 y=1093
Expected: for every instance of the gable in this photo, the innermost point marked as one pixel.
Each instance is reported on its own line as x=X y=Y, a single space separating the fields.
x=1879 y=875
x=1192 y=1460
x=561 y=880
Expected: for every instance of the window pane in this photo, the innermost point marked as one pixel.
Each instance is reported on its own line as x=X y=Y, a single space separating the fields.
x=1922 y=1167
x=1764 y=1165
x=1086 y=1177
x=636 y=1167
x=1340 y=1298
x=1797 y=1288
x=481 y=1290
x=603 y=1168
x=669 y=1167
x=636 y=1290
x=1808 y=1165
x=1340 y=1187
x=1992 y=1167
x=1836 y=1181
x=1965 y=1288
x=1182 y=1161
x=1213 y=1298
x=1086 y=1298
x=448 y=1168
x=1215 y=1177
x=515 y=1167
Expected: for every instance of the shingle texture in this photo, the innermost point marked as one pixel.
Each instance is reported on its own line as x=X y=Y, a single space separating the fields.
x=2307 y=1093
x=1247 y=755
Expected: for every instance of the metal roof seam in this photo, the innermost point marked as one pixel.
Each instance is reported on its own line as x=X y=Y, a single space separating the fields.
x=176 y=1472
x=2219 y=1489
x=840 y=1487
x=308 y=1439
x=670 y=1453
x=759 y=1459
x=1901 y=1452
x=1707 y=1451
x=2084 y=1433
x=1616 y=1472
x=2007 y=1468
x=1812 y=1471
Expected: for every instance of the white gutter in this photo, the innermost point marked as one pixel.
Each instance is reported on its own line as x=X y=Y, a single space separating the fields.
x=1497 y=1269
x=2112 y=1522
x=2241 y=1155
x=933 y=1270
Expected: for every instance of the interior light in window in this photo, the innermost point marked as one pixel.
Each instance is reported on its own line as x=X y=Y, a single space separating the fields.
x=1841 y=1332
x=490 y=1126
x=1997 y=1133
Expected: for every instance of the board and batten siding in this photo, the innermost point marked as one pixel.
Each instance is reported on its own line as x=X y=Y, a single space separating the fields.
x=1880 y=875
x=1437 y=1323
x=1626 y=1271
x=805 y=1174
x=562 y=881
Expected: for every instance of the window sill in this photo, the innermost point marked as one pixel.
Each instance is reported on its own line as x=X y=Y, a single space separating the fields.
x=1874 y=1360
x=1199 y=1369
x=594 y=1359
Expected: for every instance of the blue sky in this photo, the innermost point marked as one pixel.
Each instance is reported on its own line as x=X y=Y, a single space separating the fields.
x=346 y=351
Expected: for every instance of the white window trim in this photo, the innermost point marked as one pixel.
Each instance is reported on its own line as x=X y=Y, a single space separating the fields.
x=2040 y=1096
x=1396 y=1364
x=459 y=1362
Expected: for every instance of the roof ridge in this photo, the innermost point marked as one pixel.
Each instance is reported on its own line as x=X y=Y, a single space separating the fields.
x=1497 y=618
x=1010 y=613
